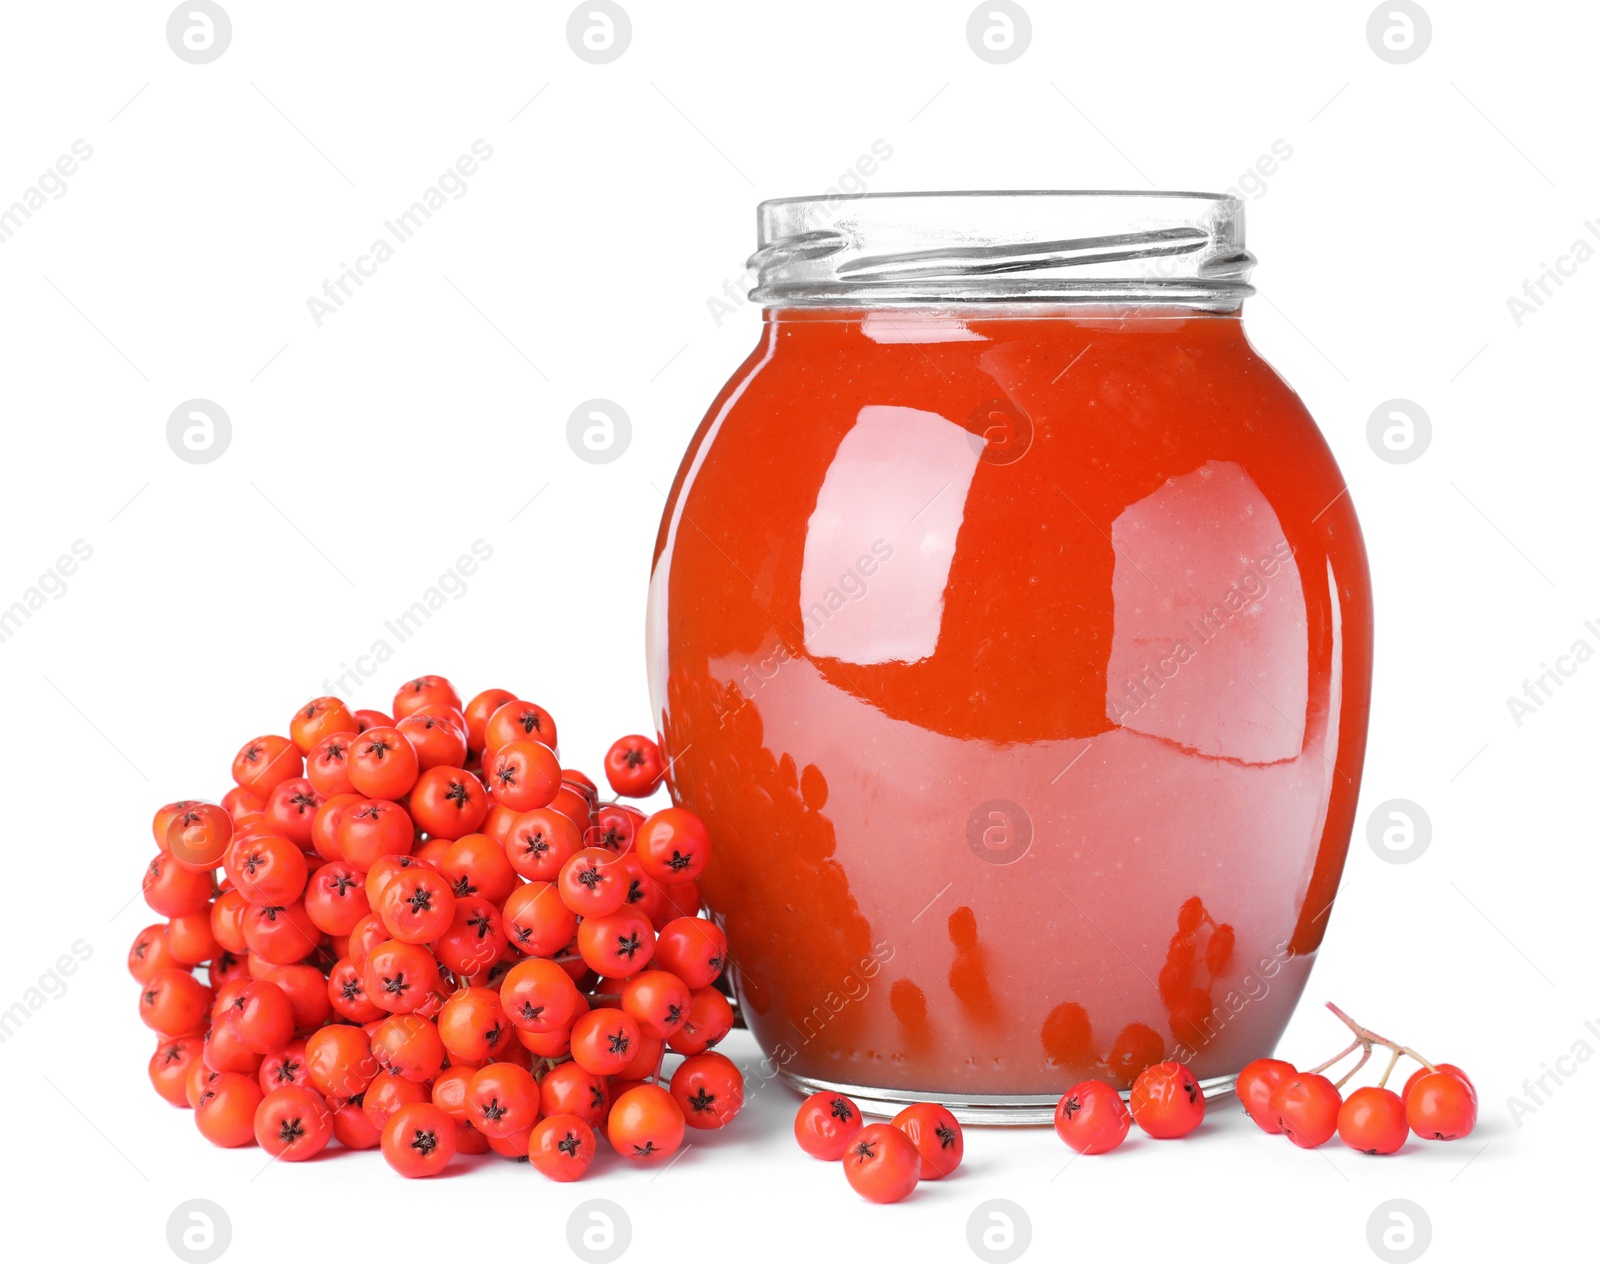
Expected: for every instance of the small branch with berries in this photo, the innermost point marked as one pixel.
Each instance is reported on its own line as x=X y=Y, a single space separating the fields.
x=1437 y=1103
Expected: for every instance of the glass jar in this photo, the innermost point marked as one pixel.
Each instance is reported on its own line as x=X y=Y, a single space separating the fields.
x=1010 y=629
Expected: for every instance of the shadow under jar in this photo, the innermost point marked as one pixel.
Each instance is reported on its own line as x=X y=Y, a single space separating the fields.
x=1011 y=632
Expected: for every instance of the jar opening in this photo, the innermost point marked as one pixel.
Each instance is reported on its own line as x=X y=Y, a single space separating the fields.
x=908 y=249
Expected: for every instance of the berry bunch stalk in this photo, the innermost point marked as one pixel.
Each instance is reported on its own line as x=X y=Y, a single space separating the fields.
x=1366 y=1040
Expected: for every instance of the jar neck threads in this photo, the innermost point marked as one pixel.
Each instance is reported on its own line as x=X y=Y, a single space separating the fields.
x=913 y=249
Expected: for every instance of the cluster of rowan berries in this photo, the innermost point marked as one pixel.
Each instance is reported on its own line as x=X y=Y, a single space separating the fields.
x=419 y=932
x=1437 y=1102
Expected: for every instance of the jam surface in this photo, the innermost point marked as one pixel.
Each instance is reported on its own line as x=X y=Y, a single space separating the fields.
x=1019 y=666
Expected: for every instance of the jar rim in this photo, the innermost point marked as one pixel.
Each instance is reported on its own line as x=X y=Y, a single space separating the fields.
x=1118 y=247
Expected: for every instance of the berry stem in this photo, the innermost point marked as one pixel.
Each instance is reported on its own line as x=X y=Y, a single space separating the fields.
x=1394 y=1057
x=1367 y=1038
x=1366 y=1052
x=661 y=1059
x=1338 y=1057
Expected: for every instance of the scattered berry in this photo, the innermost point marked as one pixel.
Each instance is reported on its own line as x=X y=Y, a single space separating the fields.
x=825 y=1125
x=882 y=1164
x=1092 y=1118
x=937 y=1136
x=1166 y=1100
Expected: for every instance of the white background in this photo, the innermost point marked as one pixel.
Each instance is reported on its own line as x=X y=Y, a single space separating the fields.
x=369 y=453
